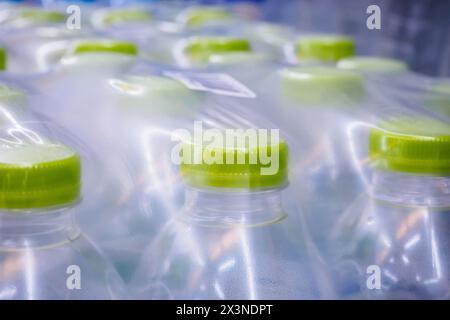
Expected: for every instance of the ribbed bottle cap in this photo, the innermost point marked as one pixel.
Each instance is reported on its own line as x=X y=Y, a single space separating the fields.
x=236 y=167
x=328 y=48
x=199 y=16
x=119 y=16
x=3 y=58
x=104 y=46
x=38 y=175
x=373 y=65
x=201 y=48
x=410 y=144
x=322 y=86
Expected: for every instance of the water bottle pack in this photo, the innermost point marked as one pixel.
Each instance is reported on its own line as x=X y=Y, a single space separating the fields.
x=187 y=152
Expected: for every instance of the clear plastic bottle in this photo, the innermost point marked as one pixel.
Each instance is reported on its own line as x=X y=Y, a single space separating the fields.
x=233 y=238
x=393 y=242
x=43 y=255
x=148 y=109
x=319 y=105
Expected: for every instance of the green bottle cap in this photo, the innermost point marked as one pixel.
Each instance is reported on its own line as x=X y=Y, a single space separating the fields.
x=199 y=16
x=38 y=175
x=373 y=65
x=39 y=16
x=155 y=95
x=2 y=58
x=104 y=46
x=236 y=167
x=438 y=98
x=412 y=145
x=200 y=49
x=322 y=86
x=325 y=48
x=119 y=16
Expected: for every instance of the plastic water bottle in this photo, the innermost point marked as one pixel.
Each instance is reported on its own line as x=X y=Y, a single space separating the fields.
x=148 y=109
x=43 y=255
x=318 y=106
x=233 y=239
x=393 y=242
x=83 y=73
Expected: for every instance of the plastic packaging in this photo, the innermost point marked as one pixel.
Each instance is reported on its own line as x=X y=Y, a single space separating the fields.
x=233 y=238
x=147 y=109
x=41 y=245
x=392 y=242
x=316 y=107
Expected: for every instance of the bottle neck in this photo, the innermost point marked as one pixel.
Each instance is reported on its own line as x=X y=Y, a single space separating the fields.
x=411 y=190
x=32 y=229
x=220 y=207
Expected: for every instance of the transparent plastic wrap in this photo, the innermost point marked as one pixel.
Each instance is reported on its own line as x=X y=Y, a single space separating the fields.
x=237 y=233
x=232 y=44
x=217 y=158
x=82 y=73
x=391 y=242
x=147 y=107
x=314 y=105
x=43 y=253
x=205 y=17
x=85 y=72
x=13 y=102
x=35 y=38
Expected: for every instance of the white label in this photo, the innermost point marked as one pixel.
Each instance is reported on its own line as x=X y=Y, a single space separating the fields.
x=218 y=83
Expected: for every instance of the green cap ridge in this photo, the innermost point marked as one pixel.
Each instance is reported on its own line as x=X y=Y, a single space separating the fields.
x=3 y=58
x=199 y=16
x=249 y=172
x=411 y=144
x=322 y=86
x=38 y=175
x=325 y=48
x=125 y=15
x=104 y=46
x=201 y=48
